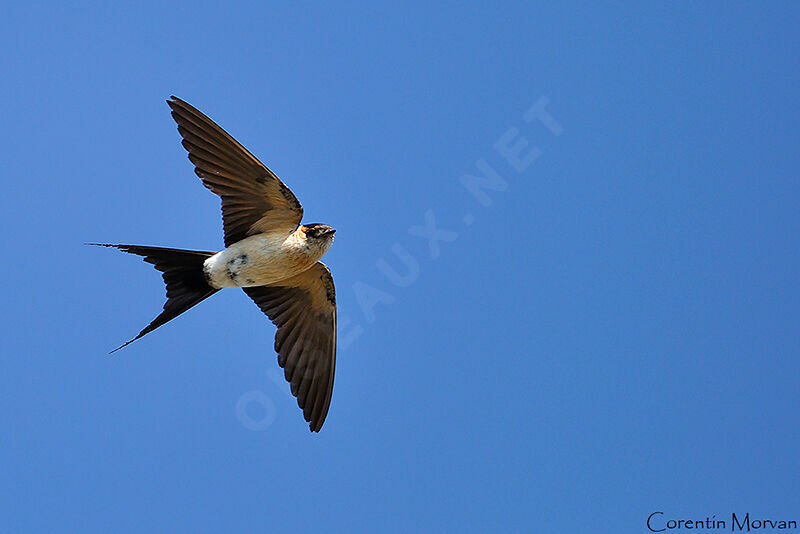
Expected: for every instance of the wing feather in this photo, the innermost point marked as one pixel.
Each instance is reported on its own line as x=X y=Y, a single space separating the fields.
x=254 y=200
x=304 y=310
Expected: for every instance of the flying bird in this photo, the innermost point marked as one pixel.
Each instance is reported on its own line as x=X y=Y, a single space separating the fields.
x=268 y=253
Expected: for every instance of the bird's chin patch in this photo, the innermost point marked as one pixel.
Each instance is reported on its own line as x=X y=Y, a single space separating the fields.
x=326 y=245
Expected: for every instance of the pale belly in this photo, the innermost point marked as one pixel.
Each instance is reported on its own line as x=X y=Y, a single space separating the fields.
x=258 y=260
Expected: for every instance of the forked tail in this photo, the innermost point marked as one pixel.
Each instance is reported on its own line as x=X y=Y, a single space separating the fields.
x=182 y=271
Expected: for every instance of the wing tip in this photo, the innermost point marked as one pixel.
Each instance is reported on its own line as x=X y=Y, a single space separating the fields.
x=316 y=426
x=176 y=103
x=316 y=420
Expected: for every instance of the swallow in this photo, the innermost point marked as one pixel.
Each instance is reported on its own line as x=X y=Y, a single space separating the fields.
x=268 y=253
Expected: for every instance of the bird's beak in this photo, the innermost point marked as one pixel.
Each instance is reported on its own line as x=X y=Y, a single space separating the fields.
x=331 y=231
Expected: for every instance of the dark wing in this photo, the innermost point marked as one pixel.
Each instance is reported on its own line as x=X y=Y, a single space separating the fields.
x=253 y=198
x=303 y=308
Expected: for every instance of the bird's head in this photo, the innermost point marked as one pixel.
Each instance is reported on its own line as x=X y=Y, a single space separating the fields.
x=321 y=234
x=318 y=236
x=317 y=231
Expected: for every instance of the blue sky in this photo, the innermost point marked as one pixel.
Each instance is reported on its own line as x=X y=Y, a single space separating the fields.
x=608 y=331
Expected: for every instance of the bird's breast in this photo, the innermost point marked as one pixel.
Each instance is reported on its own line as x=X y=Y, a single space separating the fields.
x=258 y=260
